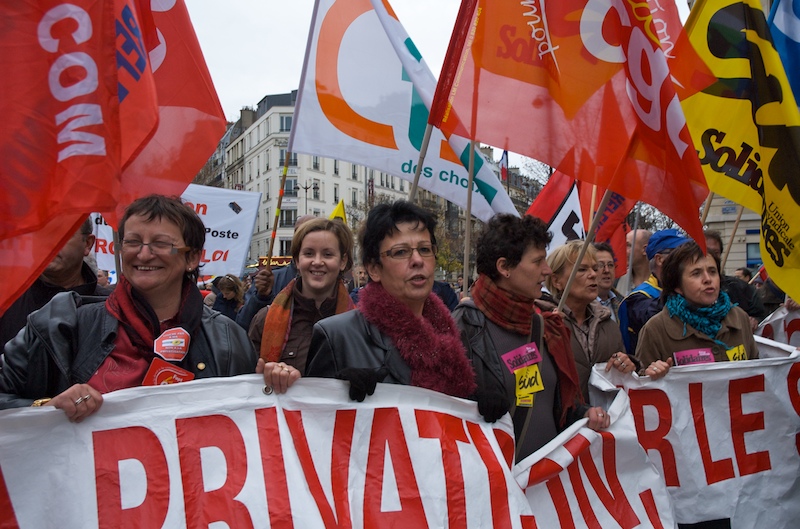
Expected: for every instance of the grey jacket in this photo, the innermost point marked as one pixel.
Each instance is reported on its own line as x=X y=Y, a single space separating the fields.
x=67 y=340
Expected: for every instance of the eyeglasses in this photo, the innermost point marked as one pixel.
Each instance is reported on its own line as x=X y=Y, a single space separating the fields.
x=403 y=251
x=603 y=265
x=156 y=247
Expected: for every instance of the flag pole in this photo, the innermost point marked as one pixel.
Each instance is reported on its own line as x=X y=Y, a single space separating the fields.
x=730 y=242
x=706 y=207
x=586 y=243
x=423 y=150
x=278 y=209
x=468 y=213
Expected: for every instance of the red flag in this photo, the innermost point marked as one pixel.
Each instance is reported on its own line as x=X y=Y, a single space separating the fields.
x=612 y=228
x=562 y=70
x=504 y=167
x=79 y=102
x=191 y=120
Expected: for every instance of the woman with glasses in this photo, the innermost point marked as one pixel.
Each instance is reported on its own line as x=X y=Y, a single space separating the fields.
x=401 y=333
x=522 y=360
x=75 y=349
x=595 y=336
x=322 y=250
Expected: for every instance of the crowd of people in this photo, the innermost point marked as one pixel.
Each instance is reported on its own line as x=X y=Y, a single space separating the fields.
x=522 y=339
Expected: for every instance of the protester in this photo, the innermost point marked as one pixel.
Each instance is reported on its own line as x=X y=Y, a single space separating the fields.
x=595 y=337
x=644 y=301
x=401 y=331
x=636 y=243
x=607 y=295
x=231 y=296
x=66 y=272
x=500 y=319
x=743 y=273
x=741 y=293
x=697 y=317
x=102 y=278
x=266 y=285
x=771 y=295
x=322 y=250
x=72 y=350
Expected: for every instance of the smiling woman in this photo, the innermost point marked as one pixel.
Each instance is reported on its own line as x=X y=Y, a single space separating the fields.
x=322 y=251
x=77 y=348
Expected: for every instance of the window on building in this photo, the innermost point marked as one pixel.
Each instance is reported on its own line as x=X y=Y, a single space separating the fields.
x=336 y=193
x=267 y=220
x=290 y=189
x=286 y=122
x=286 y=247
x=266 y=160
x=391 y=181
x=266 y=190
x=317 y=190
x=288 y=218
x=317 y=212
x=402 y=185
x=292 y=158
x=353 y=197
x=354 y=172
x=336 y=167
x=753 y=255
x=315 y=163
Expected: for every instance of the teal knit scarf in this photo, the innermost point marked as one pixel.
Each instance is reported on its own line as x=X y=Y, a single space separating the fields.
x=707 y=320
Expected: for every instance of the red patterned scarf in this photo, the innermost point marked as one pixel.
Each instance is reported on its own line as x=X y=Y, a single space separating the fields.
x=430 y=345
x=506 y=309
x=139 y=319
x=278 y=324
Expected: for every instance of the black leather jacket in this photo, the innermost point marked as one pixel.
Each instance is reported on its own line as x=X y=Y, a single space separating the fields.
x=67 y=340
x=349 y=340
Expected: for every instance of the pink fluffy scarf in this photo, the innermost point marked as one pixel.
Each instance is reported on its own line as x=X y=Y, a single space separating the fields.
x=430 y=345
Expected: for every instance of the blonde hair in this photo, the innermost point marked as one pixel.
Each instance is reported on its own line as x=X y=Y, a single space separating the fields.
x=562 y=260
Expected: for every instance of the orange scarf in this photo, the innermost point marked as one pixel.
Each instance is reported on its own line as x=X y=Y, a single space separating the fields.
x=278 y=324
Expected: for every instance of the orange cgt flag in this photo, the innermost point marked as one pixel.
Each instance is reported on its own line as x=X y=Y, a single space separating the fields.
x=593 y=87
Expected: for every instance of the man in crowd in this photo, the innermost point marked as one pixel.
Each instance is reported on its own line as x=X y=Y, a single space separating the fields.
x=636 y=244
x=739 y=291
x=606 y=293
x=744 y=274
x=67 y=271
x=644 y=301
x=102 y=278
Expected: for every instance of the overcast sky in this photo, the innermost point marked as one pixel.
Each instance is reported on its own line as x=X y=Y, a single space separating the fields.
x=256 y=47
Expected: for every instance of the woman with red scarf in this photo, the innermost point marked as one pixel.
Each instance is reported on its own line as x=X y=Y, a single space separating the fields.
x=402 y=333
x=77 y=348
x=522 y=360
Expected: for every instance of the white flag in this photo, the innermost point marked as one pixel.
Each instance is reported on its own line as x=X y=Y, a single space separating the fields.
x=364 y=98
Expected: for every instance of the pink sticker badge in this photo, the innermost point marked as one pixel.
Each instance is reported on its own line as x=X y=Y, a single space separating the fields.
x=692 y=357
x=521 y=357
x=173 y=344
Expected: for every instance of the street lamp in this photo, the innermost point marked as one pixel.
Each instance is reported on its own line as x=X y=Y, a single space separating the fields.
x=305 y=188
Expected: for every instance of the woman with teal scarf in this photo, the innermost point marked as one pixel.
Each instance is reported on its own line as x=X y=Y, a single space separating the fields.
x=698 y=324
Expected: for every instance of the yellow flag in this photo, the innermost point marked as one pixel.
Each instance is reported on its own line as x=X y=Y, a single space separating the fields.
x=338 y=212
x=746 y=127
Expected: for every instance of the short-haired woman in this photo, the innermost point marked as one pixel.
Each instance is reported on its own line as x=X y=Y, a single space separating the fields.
x=698 y=322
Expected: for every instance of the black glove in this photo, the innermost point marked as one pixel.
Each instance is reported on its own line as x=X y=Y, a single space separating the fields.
x=493 y=403
x=362 y=380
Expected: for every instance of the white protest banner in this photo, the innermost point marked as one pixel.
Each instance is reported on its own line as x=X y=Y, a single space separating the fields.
x=229 y=217
x=584 y=478
x=781 y=326
x=219 y=451
x=364 y=97
x=725 y=436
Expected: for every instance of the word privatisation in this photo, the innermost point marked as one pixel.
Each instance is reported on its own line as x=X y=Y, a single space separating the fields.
x=198 y=436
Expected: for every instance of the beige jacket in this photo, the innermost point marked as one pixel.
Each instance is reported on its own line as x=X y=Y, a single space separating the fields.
x=663 y=335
